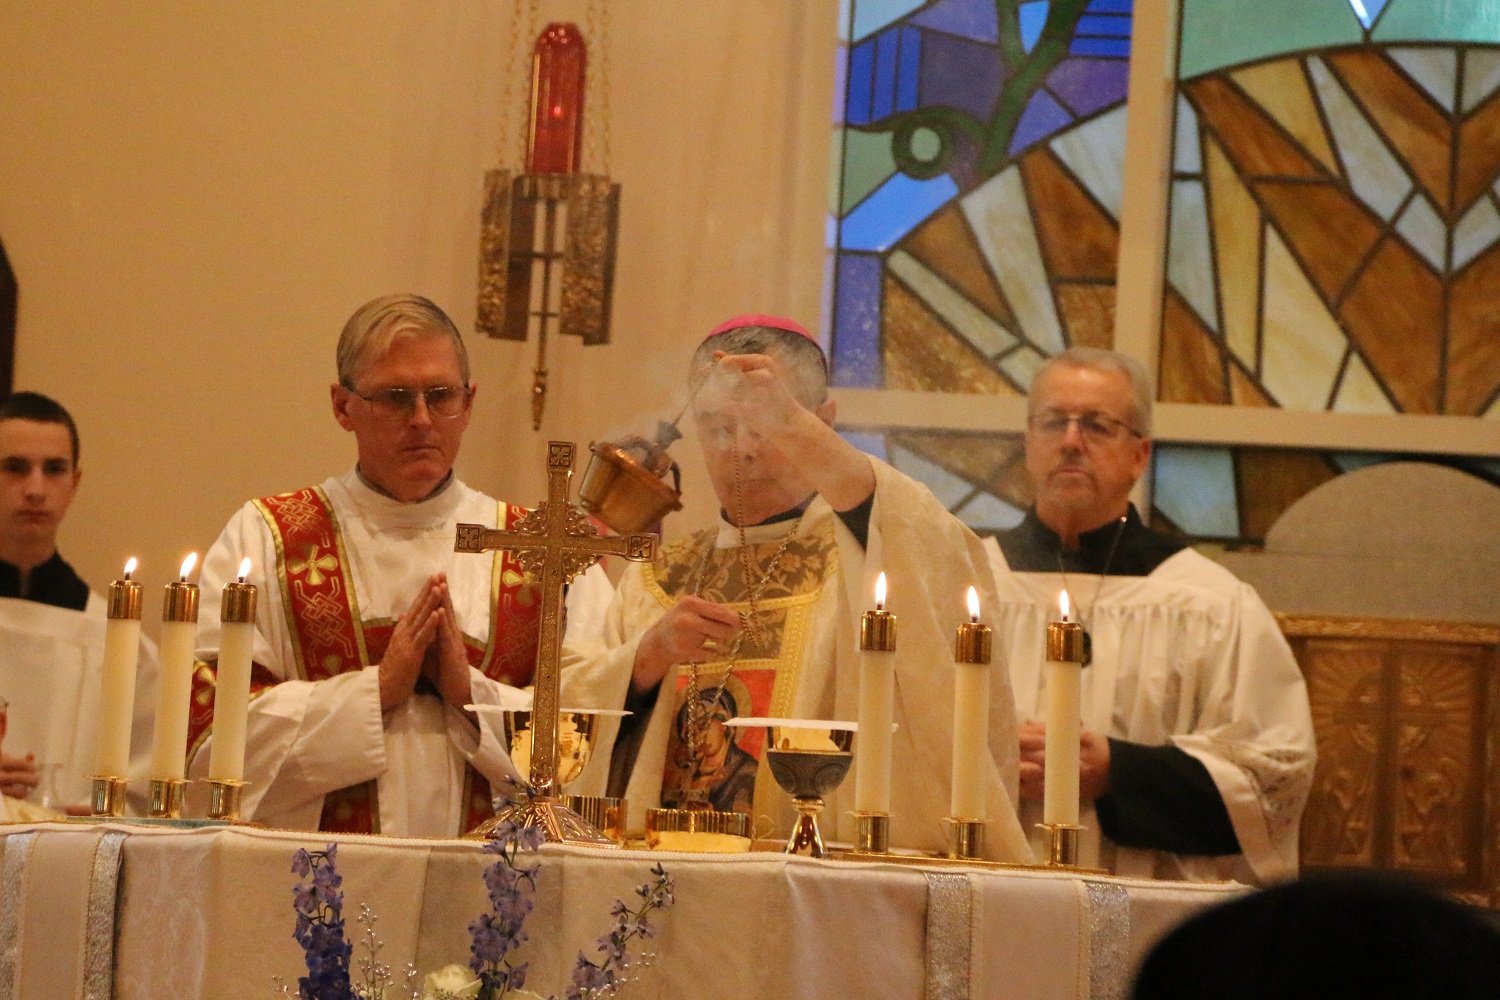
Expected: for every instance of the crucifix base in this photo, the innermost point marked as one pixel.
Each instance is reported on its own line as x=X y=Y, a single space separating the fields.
x=559 y=824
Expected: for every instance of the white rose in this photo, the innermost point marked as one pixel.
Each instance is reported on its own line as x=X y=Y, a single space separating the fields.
x=451 y=982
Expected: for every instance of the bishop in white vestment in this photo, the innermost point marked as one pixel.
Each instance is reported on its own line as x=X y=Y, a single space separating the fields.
x=807 y=560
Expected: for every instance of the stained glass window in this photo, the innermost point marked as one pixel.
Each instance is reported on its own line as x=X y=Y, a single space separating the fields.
x=1334 y=223
x=977 y=217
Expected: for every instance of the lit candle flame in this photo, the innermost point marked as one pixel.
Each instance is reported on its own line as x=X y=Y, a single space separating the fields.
x=187 y=565
x=880 y=591
x=973 y=605
x=1063 y=605
x=130 y=565
x=244 y=568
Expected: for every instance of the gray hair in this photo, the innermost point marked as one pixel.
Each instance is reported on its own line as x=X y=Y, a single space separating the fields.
x=379 y=323
x=803 y=357
x=1098 y=359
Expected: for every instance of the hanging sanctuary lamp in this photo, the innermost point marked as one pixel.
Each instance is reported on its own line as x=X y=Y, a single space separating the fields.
x=548 y=234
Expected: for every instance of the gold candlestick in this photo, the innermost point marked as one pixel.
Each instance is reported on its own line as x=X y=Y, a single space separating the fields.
x=965 y=838
x=224 y=799
x=1062 y=844
x=872 y=832
x=107 y=796
x=166 y=796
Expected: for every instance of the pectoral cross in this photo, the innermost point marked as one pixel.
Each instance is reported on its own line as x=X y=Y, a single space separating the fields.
x=553 y=543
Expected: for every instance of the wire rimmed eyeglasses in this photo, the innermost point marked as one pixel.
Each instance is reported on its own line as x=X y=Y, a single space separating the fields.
x=398 y=403
x=1096 y=428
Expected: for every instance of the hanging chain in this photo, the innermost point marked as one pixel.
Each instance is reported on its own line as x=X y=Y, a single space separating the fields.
x=596 y=139
x=750 y=623
x=520 y=37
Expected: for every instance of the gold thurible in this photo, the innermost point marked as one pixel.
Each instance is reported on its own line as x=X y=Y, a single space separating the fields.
x=971 y=644
x=124 y=601
x=238 y=605
x=180 y=602
x=877 y=631
x=1064 y=642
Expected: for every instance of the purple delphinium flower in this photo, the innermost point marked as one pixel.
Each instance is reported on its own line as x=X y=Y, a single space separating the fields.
x=319 y=902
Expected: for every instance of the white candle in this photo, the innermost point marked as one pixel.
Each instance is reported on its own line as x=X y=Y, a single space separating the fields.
x=179 y=633
x=1064 y=718
x=122 y=648
x=226 y=761
x=971 y=715
x=877 y=706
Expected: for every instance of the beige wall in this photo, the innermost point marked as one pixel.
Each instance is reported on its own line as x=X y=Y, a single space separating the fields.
x=194 y=196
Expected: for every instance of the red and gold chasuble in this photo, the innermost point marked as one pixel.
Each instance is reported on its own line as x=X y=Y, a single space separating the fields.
x=329 y=638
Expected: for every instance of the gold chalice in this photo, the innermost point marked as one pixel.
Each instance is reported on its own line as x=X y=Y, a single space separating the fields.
x=575 y=740
x=808 y=758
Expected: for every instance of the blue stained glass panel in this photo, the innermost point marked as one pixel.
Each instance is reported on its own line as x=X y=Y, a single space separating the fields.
x=893 y=210
x=1110 y=7
x=1114 y=48
x=1089 y=85
x=909 y=56
x=856 y=333
x=958 y=73
x=1108 y=25
x=861 y=84
x=887 y=64
x=1368 y=11
x=961 y=17
x=1033 y=17
x=1043 y=116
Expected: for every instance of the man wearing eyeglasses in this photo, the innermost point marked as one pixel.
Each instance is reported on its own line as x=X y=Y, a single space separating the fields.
x=1197 y=749
x=372 y=633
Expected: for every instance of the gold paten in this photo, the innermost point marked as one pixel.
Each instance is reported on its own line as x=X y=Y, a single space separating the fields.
x=107 y=795
x=715 y=832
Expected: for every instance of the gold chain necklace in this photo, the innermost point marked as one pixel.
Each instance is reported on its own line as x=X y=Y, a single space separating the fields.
x=698 y=714
x=1109 y=558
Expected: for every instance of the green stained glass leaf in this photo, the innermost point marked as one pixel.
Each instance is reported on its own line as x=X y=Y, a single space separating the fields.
x=868 y=163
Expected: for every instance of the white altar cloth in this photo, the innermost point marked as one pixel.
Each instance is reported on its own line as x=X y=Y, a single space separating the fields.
x=115 y=910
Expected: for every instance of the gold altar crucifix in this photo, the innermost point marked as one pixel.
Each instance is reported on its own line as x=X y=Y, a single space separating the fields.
x=553 y=543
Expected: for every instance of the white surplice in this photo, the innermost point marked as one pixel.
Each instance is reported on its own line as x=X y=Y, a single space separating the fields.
x=50 y=660
x=1187 y=655
x=930 y=560
x=309 y=738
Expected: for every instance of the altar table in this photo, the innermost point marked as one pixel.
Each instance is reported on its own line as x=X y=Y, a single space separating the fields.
x=117 y=910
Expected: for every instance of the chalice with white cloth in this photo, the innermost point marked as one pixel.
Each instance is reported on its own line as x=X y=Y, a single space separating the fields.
x=809 y=758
